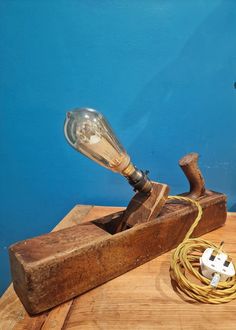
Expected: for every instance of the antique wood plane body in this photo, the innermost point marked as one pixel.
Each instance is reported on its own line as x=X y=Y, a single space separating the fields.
x=55 y=267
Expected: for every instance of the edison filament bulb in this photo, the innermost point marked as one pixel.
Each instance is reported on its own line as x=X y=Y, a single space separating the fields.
x=88 y=132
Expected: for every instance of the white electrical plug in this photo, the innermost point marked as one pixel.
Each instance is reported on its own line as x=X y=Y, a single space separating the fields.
x=216 y=266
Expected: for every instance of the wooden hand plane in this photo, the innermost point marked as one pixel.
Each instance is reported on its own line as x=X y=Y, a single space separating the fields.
x=50 y=269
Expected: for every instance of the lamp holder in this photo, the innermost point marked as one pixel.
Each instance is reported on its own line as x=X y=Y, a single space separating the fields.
x=140 y=181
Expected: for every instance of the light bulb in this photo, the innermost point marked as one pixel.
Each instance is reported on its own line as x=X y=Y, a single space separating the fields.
x=88 y=132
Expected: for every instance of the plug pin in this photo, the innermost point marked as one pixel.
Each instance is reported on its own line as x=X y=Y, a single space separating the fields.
x=227 y=262
x=220 y=246
x=215 y=280
x=213 y=255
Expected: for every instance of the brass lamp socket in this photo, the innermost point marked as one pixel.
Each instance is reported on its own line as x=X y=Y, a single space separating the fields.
x=140 y=181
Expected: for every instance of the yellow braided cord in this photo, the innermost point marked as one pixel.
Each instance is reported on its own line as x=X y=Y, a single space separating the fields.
x=185 y=263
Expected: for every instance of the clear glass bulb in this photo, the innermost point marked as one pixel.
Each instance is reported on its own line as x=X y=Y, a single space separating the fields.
x=88 y=132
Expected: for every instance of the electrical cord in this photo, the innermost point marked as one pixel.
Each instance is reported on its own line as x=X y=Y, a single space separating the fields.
x=185 y=263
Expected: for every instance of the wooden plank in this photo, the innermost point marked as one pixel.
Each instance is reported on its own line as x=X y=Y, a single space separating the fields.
x=149 y=302
x=53 y=268
x=57 y=316
x=12 y=313
x=144 y=299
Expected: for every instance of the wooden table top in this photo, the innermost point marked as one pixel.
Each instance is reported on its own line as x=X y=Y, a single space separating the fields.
x=140 y=299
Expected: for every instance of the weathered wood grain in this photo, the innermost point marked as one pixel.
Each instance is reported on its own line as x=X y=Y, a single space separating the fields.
x=144 y=299
x=12 y=313
x=189 y=165
x=143 y=208
x=52 y=268
x=140 y=299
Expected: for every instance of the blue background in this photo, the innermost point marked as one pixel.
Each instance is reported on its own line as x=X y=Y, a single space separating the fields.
x=163 y=74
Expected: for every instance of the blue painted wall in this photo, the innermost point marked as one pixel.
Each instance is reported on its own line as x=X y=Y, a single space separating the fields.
x=162 y=72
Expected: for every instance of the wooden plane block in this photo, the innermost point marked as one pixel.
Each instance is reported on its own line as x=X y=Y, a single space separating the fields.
x=53 y=268
x=143 y=208
x=44 y=268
